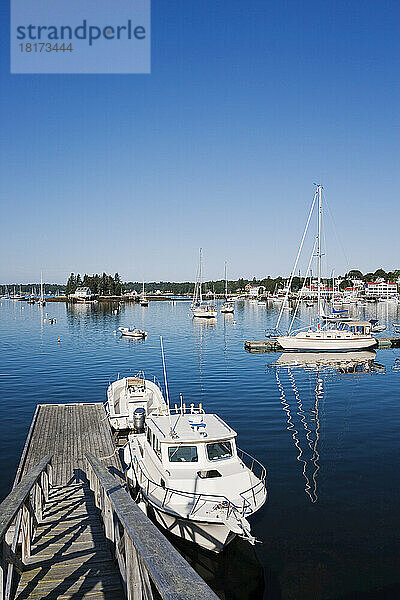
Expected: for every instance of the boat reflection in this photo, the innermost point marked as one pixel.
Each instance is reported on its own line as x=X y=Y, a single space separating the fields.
x=303 y=414
x=343 y=362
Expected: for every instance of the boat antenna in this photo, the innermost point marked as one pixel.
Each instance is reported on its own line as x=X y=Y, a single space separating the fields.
x=166 y=383
x=164 y=370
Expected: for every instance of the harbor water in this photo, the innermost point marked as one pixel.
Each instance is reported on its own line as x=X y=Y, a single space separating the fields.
x=326 y=428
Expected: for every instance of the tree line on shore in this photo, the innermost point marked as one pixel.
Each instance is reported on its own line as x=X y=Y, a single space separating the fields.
x=112 y=285
x=102 y=285
x=108 y=285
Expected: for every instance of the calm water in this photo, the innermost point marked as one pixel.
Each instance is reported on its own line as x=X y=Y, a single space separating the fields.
x=329 y=435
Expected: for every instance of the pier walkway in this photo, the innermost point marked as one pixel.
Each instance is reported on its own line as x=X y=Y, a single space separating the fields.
x=69 y=556
x=70 y=530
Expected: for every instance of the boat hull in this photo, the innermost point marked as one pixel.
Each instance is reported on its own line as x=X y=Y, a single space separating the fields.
x=325 y=345
x=211 y=536
x=210 y=314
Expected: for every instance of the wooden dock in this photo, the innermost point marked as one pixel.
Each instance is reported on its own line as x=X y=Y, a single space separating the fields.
x=70 y=530
x=267 y=345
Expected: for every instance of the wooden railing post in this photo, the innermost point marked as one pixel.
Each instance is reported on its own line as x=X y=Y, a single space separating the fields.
x=26 y=534
x=19 y=512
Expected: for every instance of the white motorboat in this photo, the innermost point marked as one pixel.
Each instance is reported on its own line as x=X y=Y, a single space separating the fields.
x=228 y=307
x=376 y=327
x=130 y=399
x=185 y=465
x=324 y=336
x=199 y=307
x=132 y=332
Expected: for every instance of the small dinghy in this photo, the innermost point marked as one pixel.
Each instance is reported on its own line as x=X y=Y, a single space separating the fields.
x=130 y=399
x=132 y=332
x=185 y=466
x=376 y=327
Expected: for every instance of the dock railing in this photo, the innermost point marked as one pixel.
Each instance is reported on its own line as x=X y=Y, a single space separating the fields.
x=145 y=557
x=20 y=513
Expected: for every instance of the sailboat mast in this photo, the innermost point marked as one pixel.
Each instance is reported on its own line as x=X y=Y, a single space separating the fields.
x=200 y=276
x=226 y=284
x=319 y=251
x=41 y=285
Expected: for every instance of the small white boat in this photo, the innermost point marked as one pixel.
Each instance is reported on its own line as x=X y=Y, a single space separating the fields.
x=130 y=399
x=376 y=327
x=228 y=307
x=132 y=332
x=262 y=303
x=185 y=465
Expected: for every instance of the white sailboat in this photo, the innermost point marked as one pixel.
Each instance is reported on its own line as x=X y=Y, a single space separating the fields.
x=325 y=336
x=199 y=307
x=41 y=301
x=143 y=299
x=227 y=307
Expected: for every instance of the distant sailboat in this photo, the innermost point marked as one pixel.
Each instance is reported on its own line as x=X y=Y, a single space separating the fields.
x=41 y=301
x=199 y=307
x=143 y=299
x=227 y=307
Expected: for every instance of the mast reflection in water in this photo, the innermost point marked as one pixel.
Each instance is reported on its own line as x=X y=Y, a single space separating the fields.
x=303 y=414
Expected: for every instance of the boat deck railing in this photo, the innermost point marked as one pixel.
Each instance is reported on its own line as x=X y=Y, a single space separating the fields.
x=202 y=505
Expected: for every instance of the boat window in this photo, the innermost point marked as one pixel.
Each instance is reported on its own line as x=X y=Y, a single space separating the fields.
x=208 y=474
x=149 y=436
x=219 y=450
x=182 y=454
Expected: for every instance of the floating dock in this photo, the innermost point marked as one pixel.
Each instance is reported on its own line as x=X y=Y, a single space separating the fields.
x=69 y=528
x=267 y=345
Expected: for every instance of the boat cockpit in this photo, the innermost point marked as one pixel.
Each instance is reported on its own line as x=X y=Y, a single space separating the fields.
x=356 y=327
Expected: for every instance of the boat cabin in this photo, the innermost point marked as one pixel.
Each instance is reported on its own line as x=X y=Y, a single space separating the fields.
x=356 y=327
x=203 y=440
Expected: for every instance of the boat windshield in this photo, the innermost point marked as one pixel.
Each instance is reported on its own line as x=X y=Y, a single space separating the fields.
x=182 y=454
x=219 y=450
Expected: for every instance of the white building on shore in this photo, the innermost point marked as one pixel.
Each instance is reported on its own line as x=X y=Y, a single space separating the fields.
x=82 y=294
x=381 y=289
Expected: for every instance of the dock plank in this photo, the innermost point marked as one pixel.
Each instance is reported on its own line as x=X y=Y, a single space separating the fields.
x=70 y=556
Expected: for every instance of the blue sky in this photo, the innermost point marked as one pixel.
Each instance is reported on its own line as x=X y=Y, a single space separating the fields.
x=248 y=103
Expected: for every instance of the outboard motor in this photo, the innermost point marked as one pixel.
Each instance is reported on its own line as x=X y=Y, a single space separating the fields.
x=138 y=419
